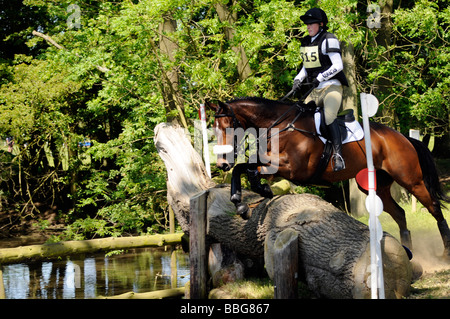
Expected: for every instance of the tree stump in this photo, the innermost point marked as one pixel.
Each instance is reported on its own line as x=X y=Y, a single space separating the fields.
x=285 y=261
x=333 y=248
x=223 y=265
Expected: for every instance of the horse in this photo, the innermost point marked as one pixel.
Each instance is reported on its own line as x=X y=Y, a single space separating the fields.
x=298 y=159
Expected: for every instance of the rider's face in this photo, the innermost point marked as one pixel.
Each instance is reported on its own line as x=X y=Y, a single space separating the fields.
x=313 y=29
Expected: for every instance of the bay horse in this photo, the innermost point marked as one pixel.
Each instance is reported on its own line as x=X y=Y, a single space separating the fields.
x=395 y=156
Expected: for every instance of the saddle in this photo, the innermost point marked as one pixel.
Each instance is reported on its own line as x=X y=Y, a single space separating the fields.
x=350 y=129
x=346 y=116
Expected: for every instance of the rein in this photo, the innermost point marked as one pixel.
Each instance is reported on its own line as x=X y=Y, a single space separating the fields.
x=291 y=127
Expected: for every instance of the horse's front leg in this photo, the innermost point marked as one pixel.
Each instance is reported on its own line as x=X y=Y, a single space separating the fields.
x=236 y=190
x=255 y=183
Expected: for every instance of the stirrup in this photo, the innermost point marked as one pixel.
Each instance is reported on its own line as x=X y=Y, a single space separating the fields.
x=337 y=157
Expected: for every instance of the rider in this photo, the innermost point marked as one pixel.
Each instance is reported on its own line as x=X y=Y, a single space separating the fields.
x=322 y=66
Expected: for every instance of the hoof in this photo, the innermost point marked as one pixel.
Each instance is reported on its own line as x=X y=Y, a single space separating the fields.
x=405 y=238
x=446 y=256
x=242 y=210
x=246 y=215
x=417 y=271
x=236 y=198
x=266 y=191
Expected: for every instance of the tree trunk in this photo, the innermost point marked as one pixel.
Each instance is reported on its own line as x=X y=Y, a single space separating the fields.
x=225 y=16
x=333 y=248
x=285 y=260
x=171 y=141
x=171 y=79
x=158 y=294
x=350 y=96
x=350 y=101
x=383 y=85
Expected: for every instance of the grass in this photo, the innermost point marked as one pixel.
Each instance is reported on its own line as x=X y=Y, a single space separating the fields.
x=256 y=288
x=419 y=221
x=252 y=288
x=432 y=286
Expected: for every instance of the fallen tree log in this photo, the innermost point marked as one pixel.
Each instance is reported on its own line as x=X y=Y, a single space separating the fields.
x=333 y=248
x=157 y=294
x=65 y=248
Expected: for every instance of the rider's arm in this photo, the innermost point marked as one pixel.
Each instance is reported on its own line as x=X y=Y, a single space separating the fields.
x=301 y=75
x=336 y=67
x=331 y=48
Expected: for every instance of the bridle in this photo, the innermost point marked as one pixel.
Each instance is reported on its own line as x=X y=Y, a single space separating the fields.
x=236 y=122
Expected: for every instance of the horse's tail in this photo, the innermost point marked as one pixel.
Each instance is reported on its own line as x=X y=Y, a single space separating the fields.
x=429 y=171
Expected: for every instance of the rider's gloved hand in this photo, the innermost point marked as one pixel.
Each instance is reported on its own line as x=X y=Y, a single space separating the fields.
x=296 y=85
x=315 y=83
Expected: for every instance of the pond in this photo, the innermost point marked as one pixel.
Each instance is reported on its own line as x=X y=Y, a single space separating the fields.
x=90 y=276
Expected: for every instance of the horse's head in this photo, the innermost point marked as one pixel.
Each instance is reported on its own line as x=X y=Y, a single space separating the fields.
x=224 y=124
x=244 y=120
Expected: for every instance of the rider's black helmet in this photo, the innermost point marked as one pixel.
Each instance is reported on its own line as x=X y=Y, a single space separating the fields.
x=315 y=15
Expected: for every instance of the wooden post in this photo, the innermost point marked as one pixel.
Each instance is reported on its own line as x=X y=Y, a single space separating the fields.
x=173 y=257
x=286 y=265
x=197 y=246
x=2 y=286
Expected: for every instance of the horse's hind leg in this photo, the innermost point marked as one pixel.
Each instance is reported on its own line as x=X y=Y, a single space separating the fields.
x=425 y=186
x=384 y=183
x=434 y=207
x=398 y=214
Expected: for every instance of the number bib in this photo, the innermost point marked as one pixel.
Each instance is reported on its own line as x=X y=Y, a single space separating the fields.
x=310 y=56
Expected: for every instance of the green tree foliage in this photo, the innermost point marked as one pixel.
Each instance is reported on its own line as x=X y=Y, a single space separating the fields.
x=418 y=67
x=133 y=64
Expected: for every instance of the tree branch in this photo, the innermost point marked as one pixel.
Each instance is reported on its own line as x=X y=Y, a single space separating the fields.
x=60 y=47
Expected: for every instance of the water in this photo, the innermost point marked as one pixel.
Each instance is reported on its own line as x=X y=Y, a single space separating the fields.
x=138 y=270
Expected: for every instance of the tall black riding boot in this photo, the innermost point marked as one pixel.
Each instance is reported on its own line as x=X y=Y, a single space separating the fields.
x=337 y=159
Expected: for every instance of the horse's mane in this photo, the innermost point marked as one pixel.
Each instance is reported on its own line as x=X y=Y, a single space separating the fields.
x=261 y=101
x=270 y=105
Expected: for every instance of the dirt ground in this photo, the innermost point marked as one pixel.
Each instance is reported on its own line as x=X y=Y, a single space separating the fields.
x=435 y=280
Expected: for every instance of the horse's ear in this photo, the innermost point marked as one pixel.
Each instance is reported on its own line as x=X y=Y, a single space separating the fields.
x=211 y=106
x=224 y=106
